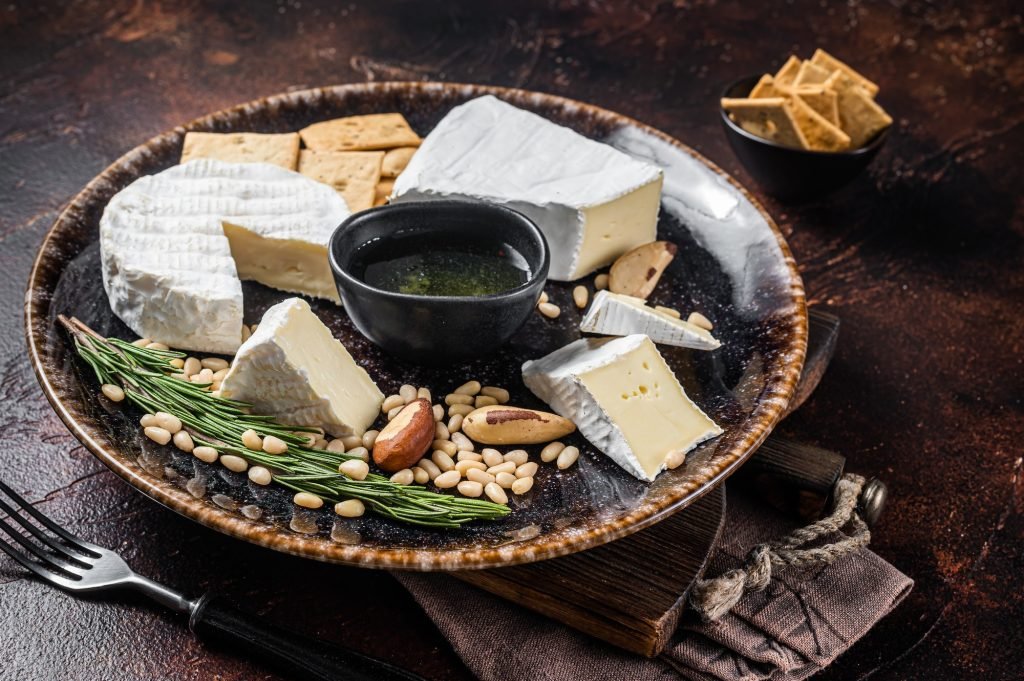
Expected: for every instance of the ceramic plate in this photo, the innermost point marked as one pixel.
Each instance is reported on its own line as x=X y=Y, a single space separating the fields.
x=733 y=265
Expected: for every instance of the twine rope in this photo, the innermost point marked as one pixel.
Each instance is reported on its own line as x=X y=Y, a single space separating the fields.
x=712 y=598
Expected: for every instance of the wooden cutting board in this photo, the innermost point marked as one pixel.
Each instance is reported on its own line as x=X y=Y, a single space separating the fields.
x=586 y=590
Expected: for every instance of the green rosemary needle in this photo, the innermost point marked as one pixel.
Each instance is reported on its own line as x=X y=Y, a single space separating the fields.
x=145 y=376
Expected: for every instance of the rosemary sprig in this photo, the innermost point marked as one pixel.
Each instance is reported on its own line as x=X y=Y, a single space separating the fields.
x=219 y=422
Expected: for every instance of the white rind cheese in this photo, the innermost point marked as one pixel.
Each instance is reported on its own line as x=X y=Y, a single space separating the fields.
x=592 y=202
x=614 y=314
x=624 y=399
x=174 y=246
x=293 y=368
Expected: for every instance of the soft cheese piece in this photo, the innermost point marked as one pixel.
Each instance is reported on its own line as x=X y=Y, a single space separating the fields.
x=624 y=398
x=592 y=202
x=613 y=314
x=293 y=368
x=174 y=246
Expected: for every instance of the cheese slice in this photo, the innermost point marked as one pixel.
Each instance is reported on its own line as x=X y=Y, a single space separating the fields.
x=592 y=202
x=614 y=314
x=293 y=368
x=624 y=399
x=174 y=246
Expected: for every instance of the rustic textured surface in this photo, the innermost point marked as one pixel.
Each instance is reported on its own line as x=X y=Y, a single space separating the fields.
x=920 y=257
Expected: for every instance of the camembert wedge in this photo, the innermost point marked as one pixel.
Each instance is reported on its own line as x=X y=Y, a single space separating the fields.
x=592 y=201
x=293 y=368
x=624 y=398
x=613 y=314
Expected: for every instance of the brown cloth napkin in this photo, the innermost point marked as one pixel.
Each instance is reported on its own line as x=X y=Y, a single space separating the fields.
x=792 y=629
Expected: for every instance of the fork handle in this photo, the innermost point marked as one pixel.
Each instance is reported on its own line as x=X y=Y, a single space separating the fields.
x=297 y=655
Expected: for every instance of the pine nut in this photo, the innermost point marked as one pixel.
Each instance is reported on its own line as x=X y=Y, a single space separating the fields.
x=254 y=327
x=446 y=446
x=420 y=476
x=447 y=480
x=463 y=443
x=527 y=470
x=423 y=394
x=214 y=363
x=369 y=437
x=484 y=401
x=141 y=342
x=157 y=434
x=492 y=457
x=468 y=388
x=675 y=459
x=697 y=319
x=477 y=475
x=320 y=443
x=246 y=333
x=219 y=375
x=183 y=441
x=234 y=463
x=260 y=475
x=468 y=488
x=580 y=295
x=671 y=312
x=337 y=446
x=179 y=376
x=464 y=466
x=495 y=493
x=517 y=456
x=522 y=485
x=460 y=409
x=542 y=298
x=114 y=393
x=455 y=423
x=177 y=363
x=361 y=453
x=192 y=366
x=207 y=454
x=391 y=402
x=403 y=477
x=567 y=457
x=438 y=412
x=441 y=431
x=352 y=441
x=252 y=440
x=430 y=467
x=274 y=445
x=499 y=394
x=470 y=456
x=549 y=310
x=355 y=469
x=307 y=500
x=408 y=393
x=506 y=467
x=157 y=346
x=443 y=461
x=551 y=452
x=601 y=282
x=148 y=420
x=454 y=398
x=350 y=508
x=395 y=412
x=169 y=422
x=505 y=480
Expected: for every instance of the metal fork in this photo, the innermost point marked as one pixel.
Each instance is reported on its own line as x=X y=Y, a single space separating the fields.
x=66 y=561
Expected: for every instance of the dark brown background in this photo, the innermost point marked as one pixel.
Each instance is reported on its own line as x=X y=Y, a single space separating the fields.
x=922 y=257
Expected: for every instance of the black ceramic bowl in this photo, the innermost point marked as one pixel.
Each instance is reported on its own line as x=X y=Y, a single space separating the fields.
x=434 y=329
x=788 y=173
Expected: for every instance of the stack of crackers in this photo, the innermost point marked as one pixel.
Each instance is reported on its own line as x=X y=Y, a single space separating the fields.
x=359 y=156
x=819 y=104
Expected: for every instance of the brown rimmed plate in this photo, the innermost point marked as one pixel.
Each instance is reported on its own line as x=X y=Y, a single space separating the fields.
x=733 y=265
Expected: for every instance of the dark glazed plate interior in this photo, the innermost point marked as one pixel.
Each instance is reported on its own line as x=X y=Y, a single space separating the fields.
x=733 y=265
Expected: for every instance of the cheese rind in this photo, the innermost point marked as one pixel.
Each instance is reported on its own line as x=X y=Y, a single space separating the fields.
x=293 y=368
x=592 y=202
x=171 y=267
x=624 y=399
x=614 y=314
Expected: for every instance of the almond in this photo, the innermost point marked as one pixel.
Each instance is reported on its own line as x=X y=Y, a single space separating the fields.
x=406 y=438
x=503 y=425
x=637 y=272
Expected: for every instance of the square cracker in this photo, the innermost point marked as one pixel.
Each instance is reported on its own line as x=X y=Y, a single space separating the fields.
x=819 y=133
x=384 y=189
x=395 y=161
x=359 y=133
x=830 y=63
x=811 y=74
x=766 y=88
x=860 y=116
x=353 y=174
x=243 y=147
x=786 y=75
x=770 y=118
x=822 y=99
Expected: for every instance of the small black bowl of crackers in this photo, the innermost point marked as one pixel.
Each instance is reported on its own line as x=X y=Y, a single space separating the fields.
x=807 y=130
